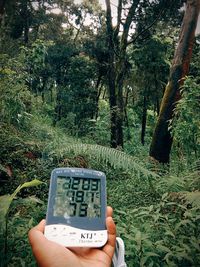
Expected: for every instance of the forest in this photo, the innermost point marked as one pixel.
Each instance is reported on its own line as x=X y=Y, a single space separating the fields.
x=112 y=86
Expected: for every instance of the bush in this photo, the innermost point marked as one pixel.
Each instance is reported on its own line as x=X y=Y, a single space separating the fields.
x=16 y=100
x=165 y=234
x=185 y=125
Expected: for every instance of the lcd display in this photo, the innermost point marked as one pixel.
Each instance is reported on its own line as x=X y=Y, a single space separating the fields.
x=77 y=196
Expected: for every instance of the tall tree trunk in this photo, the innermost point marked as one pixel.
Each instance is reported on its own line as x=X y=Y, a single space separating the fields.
x=120 y=102
x=2 y=9
x=58 y=107
x=99 y=86
x=25 y=14
x=162 y=140
x=113 y=107
x=111 y=78
x=117 y=66
x=144 y=119
x=126 y=120
x=157 y=104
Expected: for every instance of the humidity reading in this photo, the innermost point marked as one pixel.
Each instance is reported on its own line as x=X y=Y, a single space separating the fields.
x=77 y=196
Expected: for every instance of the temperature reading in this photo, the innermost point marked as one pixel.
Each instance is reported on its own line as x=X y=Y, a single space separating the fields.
x=77 y=196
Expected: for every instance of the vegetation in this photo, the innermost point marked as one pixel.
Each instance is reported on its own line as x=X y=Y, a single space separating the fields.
x=78 y=91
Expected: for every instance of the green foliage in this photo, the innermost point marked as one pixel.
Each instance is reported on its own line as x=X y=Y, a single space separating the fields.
x=24 y=213
x=5 y=202
x=38 y=71
x=185 y=126
x=164 y=234
x=151 y=62
x=16 y=101
x=116 y=158
x=101 y=128
x=80 y=96
x=156 y=233
x=7 y=199
x=35 y=55
x=52 y=80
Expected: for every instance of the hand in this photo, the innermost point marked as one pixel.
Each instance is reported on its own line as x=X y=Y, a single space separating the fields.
x=51 y=254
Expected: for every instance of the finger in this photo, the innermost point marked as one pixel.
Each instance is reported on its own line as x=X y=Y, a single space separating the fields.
x=40 y=226
x=44 y=250
x=36 y=235
x=109 y=248
x=109 y=211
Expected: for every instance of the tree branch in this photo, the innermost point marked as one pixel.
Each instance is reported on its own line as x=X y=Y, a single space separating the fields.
x=119 y=16
x=127 y=24
x=146 y=29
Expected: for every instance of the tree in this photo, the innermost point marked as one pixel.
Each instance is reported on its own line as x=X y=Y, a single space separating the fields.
x=117 y=71
x=80 y=97
x=162 y=140
x=151 y=70
x=119 y=37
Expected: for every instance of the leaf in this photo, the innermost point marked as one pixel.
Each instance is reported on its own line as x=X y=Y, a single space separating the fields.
x=6 y=200
x=30 y=223
x=151 y=208
x=163 y=248
x=181 y=255
x=2 y=168
x=116 y=158
x=147 y=256
x=121 y=212
x=138 y=239
x=35 y=199
x=187 y=248
x=151 y=254
x=195 y=242
x=183 y=223
x=34 y=182
x=170 y=233
x=166 y=258
x=142 y=213
x=170 y=204
x=164 y=196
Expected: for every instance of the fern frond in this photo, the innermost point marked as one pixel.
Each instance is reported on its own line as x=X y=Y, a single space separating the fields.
x=171 y=183
x=116 y=158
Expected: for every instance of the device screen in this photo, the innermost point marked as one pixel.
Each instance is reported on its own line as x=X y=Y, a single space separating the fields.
x=77 y=196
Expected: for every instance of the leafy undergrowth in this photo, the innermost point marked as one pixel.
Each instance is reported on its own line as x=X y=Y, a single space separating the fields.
x=162 y=234
x=156 y=215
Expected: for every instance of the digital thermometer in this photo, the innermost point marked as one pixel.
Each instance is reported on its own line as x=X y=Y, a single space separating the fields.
x=76 y=210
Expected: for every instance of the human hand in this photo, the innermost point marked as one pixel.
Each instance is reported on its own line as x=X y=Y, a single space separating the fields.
x=51 y=254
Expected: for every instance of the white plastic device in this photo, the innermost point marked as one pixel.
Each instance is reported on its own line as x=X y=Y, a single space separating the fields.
x=76 y=210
